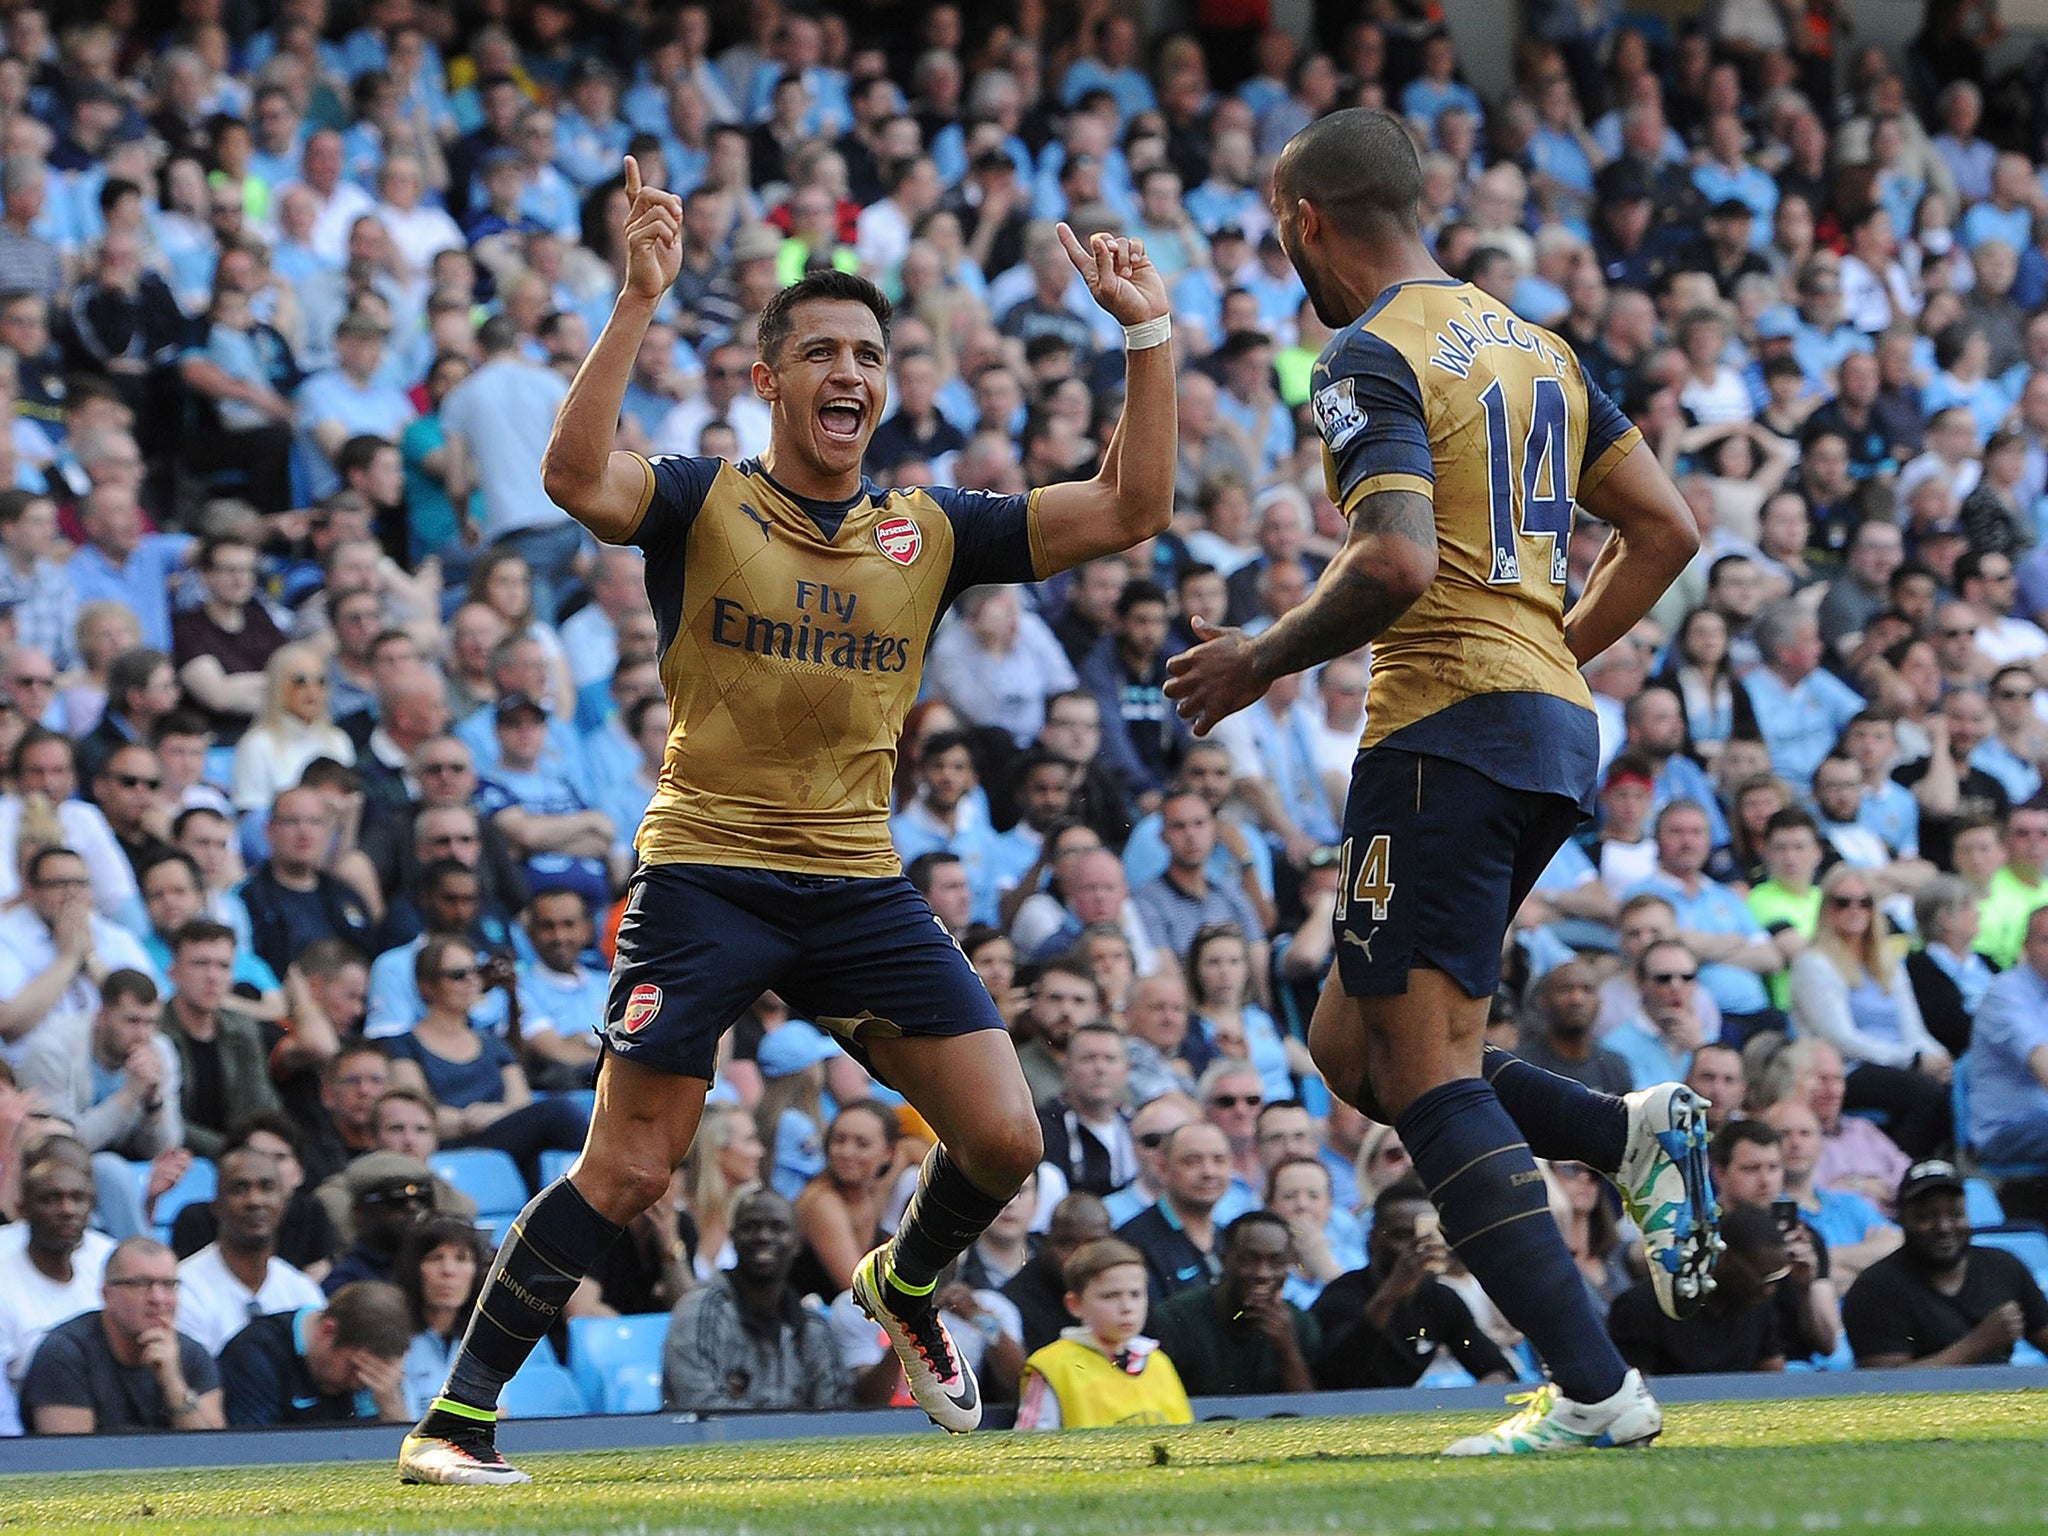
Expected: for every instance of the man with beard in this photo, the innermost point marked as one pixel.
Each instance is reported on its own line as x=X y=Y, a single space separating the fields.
x=1938 y=1300
x=1557 y=1033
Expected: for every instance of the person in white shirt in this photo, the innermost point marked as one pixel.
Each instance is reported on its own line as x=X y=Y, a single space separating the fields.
x=46 y=764
x=1340 y=693
x=338 y=203
x=1986 y=580
x=420 y=232
x=238 y=1277
x=882 y=233
x=51 y=1262
x=56 y=952
x=728 y=396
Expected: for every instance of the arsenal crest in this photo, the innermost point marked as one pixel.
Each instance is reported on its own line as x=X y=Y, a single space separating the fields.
x=641 y=1008
x=900 y=539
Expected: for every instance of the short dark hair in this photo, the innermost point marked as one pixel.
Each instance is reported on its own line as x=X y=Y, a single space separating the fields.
x=126 y=985
x=1250 y=1219
x=371 y=1315
x=939 y=743
x=1735 y=1133
x=179 y=722
x=777 y=315
x=920 y=870
x=174 y=856
x=360 y=452
x=32 y=872
x=1406 y=1191
x=1140 y=589
x=1791 y=819
x=275 y=1121
x=1358 y=167
x=201 y=930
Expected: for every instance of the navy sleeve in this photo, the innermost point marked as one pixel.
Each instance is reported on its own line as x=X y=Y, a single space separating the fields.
x=251 y=1380
x=492 y=797
x=991 y=537
x=674 y=497
x=1368 y=408
x=1605 y=424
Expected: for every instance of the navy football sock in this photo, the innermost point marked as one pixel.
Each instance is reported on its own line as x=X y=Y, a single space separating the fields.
x=1496 y=1213
x=1562 y=1120
x=948 y=1212
x=552 y=1245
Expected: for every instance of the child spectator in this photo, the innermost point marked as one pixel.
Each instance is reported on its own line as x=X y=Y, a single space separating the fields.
x=1103 y=1370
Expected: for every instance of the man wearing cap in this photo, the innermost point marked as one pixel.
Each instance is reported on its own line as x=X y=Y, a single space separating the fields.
x=542 y=815
x=2008 y=1057
x=388 y=1194
x=1938 y=1300
x=1725 y=250
x=1629 y=252
x=347 y=401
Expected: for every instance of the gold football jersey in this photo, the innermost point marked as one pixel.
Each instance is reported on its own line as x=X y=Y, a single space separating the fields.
x=1441 y=389
x=793 y=637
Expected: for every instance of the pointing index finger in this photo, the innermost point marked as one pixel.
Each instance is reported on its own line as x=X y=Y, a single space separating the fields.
x=632 y=177
x=1077 y=253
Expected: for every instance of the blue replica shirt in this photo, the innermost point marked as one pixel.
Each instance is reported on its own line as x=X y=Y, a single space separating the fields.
x=562 y=753
x=1842 y=1217
x=2011 y=1024
x=1716 y=909
x=542 y=793
x=1802 y=723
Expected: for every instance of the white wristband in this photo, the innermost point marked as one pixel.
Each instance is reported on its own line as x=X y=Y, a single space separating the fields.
x=1147 y=333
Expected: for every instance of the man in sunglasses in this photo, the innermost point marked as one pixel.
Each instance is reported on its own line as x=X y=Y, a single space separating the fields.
x=1657 y=1043
x=389 y=1193
x=127 y=790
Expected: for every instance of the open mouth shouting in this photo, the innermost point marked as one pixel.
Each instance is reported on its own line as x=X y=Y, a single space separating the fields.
x=840 y=418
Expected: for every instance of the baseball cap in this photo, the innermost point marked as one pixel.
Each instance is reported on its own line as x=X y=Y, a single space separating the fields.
x=518 y=704
x=1231 y=231
x=1731 y=208
x=756 y=242
x=1930 y=1175
x=1947 y=528
x=1624 y=183
x=1777 y=323
x=387 y=1175
x=787 y=1050
x=360 y=322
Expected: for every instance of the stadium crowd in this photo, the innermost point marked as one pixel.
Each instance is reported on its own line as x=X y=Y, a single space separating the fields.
x=325 y=734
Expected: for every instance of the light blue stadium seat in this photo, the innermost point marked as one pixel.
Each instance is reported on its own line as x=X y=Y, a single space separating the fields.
x=1981 y=1204
x=199 y=1185
x=633 y=1389
x=542 y=1390
x=2030 y=1248
x=487 y=1176
x=553 y=1165
x=601 y=1346
x=1959 y=1101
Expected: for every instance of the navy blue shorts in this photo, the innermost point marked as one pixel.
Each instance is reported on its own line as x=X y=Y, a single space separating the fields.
x=1437 y=858
x=863 y=958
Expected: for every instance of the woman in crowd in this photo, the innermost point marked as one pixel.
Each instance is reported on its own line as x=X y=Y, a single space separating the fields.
x=993 y=954
x=1716 y=704
x=1849 y=987
x=503 y=582
x=292 y=729
x=1106 y=950
x=1949 y=977
x=1327 y=1242
x=1219 y=986
x=104 y=630
x=480 y=1091
x=1382 y=1162
x=724 y=1163
x=839 y=1213
x=440 y=1266
x=1579 y=1200
x=1756 y=801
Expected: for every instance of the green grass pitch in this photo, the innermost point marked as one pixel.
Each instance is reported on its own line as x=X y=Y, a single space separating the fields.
x=1928 y=1464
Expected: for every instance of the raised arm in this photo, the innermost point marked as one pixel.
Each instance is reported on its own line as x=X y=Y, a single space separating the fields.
x=1387 y=562
x=1130 y=499
x=607 y=492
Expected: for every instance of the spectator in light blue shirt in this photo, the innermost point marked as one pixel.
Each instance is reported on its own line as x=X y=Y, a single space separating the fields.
x=122 y=564
x=1726 y=174
x=589 y=136
x=1112 y=67
x=1425 y=98
x=1659 y=1041
x=1800 y=710
x=943 y=819
x=2008 y=1058
x=1713 y=921
x=346 y=401
x=2008 y=213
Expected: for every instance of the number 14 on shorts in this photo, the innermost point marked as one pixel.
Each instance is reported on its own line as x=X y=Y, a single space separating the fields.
x=1367 y=879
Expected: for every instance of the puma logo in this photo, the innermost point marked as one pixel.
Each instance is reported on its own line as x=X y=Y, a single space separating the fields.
x=767 y=532
x=1365 y=943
